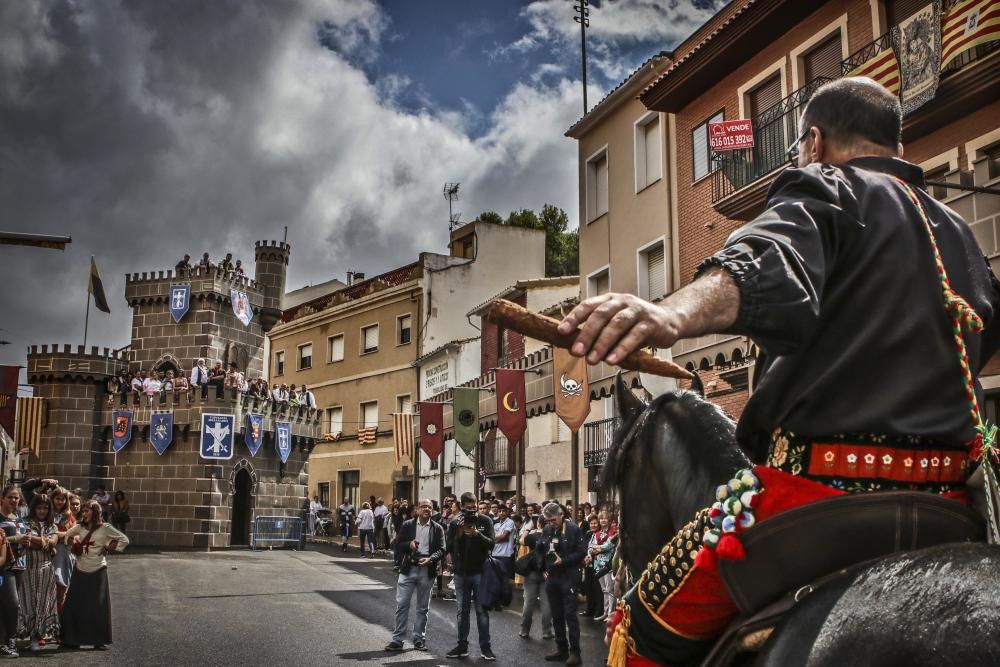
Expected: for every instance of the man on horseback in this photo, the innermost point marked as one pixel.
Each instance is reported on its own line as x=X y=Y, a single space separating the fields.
x=873 y=309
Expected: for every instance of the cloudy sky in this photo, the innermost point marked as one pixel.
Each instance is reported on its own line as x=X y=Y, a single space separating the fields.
x=146 y=129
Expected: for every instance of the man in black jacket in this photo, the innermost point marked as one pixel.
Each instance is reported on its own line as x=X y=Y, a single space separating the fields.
x=470 y=542
x=564 y=549
x=421 y=545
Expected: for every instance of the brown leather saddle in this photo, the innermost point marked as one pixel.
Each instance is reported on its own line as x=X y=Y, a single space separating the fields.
x=835 y=534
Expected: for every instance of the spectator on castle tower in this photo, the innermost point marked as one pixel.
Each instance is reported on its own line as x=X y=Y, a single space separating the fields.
x=136 y=384
x=238 y=269
x=184 y=266
x=205 y=264
x=199 y=377
x=151 y=386
x=293 y=397
x=181 y=384
x=227 y=264
x=234 y=379
x=217 y=378
x=111 y=387
x=306 y=398
x=280 y=393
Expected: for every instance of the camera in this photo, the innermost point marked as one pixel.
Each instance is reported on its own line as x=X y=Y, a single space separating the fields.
x=469 y=516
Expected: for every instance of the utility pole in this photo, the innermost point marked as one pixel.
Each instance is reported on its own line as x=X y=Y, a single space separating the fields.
x=583 y=18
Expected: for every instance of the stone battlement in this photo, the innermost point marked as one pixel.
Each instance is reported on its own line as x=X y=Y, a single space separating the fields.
x=272 y=245
x=196 y=273
x=50 y=361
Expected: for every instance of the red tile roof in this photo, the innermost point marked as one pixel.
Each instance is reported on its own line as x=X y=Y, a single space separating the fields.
x=357 y=290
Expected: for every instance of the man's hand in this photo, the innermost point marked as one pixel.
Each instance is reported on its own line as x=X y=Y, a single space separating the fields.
x=424 y=561
x=469 y=530
x=612 y=326
x=414 y=546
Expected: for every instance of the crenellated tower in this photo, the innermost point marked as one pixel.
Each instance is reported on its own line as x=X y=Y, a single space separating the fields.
x=271 y=262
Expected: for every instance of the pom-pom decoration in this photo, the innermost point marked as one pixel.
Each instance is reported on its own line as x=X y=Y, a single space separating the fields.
x=731 y=514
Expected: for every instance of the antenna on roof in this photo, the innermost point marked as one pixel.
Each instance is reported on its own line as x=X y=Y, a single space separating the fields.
x=450 y=193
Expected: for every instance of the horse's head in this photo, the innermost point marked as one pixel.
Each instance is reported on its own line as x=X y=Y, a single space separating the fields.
x=667 y=458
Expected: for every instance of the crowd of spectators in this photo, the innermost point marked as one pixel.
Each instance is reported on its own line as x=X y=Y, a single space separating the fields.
x=227 y=265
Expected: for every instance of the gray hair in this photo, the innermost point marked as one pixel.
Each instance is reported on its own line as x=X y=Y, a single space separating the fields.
x=552 y=510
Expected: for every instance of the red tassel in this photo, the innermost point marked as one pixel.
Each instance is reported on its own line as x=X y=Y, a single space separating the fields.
x=706 y=559
x=730 y=548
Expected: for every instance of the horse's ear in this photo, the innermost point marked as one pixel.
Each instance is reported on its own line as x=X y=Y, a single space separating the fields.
x=629 y=405
x=696 y=384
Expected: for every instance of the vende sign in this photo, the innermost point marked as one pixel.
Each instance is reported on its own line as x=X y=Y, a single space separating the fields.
x=730 y=135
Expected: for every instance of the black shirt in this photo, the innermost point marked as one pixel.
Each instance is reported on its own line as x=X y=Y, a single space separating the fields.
x=840 y=291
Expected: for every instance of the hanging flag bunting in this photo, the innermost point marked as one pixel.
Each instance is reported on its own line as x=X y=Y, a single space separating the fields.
x=180 y=301
x=217 y=436
x=465 y=415
x=241 y=306
x=432 y=428
x=8 y=396
x=572 y=396
x=402 y=435
x=96 y=287
x=161 y=431
x=29 y=422
x=367 y=435
x=883 y=67
x=283 y=440
x=122 y=420
x=511 y=403
x=920 y=56
x=969 y=23
x=254 y=436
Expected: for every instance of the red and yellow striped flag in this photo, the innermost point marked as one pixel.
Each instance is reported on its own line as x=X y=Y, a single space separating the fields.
x=969 y=23
x=402 y=435
x=28 y=427
x=367 y=435
x=883 y=67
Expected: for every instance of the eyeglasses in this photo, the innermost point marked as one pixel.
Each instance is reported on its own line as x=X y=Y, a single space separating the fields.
x=793 y=151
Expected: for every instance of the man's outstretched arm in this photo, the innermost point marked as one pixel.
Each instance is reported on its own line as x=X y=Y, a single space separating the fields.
x=611 y=326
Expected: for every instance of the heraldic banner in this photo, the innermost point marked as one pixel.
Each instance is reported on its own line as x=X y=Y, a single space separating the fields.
x=122 y=420
x=241 y=306
x=465 y=415
x=180 y=301
x=217 y=436
x=283 y=440
x=254 y=436
x=573 y=393
x=432 y=428
x=511 y=402
x=161 y=431
x=920 y=56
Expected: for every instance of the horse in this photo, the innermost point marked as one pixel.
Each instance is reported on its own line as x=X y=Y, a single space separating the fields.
x=932 y=606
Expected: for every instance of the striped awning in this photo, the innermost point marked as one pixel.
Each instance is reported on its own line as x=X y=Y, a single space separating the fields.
x=29 y=423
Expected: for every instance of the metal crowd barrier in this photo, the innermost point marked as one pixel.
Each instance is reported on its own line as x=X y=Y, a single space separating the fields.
x=278 y=529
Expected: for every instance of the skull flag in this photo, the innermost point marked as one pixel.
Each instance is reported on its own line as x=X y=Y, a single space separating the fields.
x=572 y=395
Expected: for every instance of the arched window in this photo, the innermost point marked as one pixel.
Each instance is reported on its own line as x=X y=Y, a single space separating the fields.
x=720 y=360
x=689 y=365
x=737 y=356
x=704 y=365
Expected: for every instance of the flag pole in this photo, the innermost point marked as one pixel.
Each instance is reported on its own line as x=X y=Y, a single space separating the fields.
x=86 y=319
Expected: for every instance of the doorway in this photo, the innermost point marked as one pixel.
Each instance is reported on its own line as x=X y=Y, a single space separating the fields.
x=240 y=518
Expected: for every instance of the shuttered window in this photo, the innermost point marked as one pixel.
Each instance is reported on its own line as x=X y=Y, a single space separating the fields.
x=335 y=417
x=369 y=338
x=597 y=186
x=404 y=329
x=602 y=283
x=404 y=404
x=655 y=278
x=700 y=150
x=336 y=347
x=369 y=414
x=824 y=60
x=765 y=96
x=647 y=152
x=897 y=11
x=305 y=356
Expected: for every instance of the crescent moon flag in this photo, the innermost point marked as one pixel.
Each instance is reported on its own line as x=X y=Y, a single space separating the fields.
x=465 y=418
x=511 y=416
x=572 y=396
x=432 y=428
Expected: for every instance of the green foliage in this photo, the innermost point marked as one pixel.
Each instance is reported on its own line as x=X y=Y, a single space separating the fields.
x=562 y=248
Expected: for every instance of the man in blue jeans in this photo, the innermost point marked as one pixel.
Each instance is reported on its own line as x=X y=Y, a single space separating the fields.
x=421 y=545
x=470 y=542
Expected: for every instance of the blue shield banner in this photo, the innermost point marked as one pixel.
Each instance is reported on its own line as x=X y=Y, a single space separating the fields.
x=241 y=306
x=180 y=300
x=122 y=420
x=161 y=431
x=254 y=436
x=283 y=440
x=217 y=436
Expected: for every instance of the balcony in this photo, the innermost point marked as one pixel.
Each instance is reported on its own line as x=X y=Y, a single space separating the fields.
x=597 y=439
x=499 y=457
x=748 y=169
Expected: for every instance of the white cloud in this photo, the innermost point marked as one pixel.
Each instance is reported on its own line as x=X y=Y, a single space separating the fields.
x=621 y=20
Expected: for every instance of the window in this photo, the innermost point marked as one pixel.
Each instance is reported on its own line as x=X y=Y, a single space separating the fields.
x=599 y=282
x=404 y=405
x=368 y=414
x=335 y=419
x=897 y=11
x=652 y=272
x=305 y=356
x=993 y=162
x=501 y=345
x=764 y=96
x=403 y=327
x=938 y=192
x=279 y=363
x=647 y=151
x=823 y=60
x=597 y=185
x=701 y=149
x=369 y=339
x=323 y=491
x=350 y=487
x=335 y=348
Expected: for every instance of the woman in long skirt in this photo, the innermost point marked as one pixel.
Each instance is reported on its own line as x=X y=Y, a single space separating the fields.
x=14 y=561
x=86 y=618
x=36 y=588
x=65 y=561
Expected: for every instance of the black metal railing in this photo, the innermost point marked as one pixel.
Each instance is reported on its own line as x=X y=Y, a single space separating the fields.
x=889 y=40
x=498 y=456
x=970 y=56
x=597 y=439
x=773 y=130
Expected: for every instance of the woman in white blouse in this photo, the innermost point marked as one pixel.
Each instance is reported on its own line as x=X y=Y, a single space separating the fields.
x=86 y=619
x=366 y=529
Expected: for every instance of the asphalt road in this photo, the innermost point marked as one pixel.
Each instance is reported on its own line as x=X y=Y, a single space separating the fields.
x=315 y=607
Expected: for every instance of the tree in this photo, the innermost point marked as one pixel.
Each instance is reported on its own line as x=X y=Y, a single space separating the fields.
x=562 y=248
x=491 y=217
